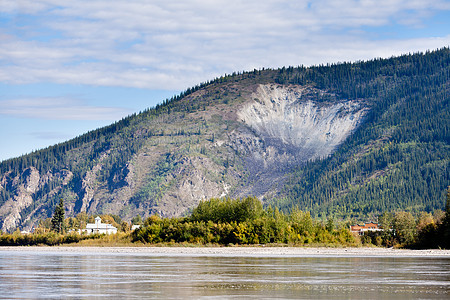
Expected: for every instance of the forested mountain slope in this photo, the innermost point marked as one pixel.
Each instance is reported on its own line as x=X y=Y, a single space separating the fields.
x=399 y=157
x=350 y=139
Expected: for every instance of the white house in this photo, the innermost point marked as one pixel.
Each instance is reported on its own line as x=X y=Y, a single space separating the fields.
x=99 y=227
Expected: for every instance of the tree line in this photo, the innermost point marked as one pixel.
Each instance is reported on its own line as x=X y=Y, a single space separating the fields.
x=247 y=222
x=243 y=222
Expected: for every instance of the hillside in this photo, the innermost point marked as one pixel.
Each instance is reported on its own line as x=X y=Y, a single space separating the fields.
x=351 y=139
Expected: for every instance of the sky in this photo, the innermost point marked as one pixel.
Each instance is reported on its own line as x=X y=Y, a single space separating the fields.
x=69 y=68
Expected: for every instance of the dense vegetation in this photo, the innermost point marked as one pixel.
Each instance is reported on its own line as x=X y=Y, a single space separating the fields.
x=246 y=222
x=47 y=238
x=399 y=157
x=216 y=221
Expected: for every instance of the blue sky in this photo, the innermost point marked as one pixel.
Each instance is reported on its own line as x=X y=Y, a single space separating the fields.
x=69 y=68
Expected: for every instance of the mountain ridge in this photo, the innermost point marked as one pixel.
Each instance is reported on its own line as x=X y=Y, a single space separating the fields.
x=242 y=135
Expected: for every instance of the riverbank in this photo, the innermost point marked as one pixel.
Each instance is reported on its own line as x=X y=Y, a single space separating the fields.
x=234 y=251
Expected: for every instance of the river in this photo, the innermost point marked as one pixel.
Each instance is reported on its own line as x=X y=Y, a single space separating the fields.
x=76 y=274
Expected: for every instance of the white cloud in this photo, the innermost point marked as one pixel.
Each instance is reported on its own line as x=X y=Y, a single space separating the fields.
x=174 y=45
x=59 y=109
x=50 y=135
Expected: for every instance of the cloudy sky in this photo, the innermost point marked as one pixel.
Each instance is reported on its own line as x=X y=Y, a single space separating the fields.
x=69 y=68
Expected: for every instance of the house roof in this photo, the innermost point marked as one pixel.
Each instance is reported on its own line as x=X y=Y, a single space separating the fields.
x=99 y=226
x=365 y=224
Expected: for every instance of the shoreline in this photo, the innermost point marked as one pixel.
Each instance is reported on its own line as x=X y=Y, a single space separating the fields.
x=248 y=251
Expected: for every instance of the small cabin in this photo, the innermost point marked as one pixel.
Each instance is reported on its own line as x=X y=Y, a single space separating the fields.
x=99 y=227
x=360 y=229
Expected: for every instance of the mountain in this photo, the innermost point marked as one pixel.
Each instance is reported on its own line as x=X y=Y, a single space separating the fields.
x=348 y=139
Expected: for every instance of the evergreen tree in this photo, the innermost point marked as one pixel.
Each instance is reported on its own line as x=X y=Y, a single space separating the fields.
x=447 y=205
x=446 y=223
x=58 y=218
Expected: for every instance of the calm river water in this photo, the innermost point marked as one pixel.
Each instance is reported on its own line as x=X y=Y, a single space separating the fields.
x=80 y=275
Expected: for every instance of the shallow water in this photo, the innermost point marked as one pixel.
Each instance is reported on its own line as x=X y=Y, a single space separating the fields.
x=36 y=274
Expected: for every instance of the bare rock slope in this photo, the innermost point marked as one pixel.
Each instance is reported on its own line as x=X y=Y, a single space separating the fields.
x=289 y=122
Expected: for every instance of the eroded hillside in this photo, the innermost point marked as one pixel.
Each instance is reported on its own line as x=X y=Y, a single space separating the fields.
x=221 y=150
x=296 y=121
x=347 y=139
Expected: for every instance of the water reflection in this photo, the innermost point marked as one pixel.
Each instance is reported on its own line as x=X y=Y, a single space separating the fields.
x=121 y=275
